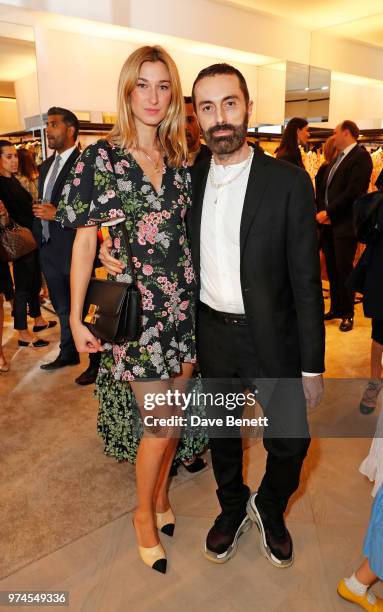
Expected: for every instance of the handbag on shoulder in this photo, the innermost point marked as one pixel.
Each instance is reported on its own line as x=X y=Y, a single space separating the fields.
x=15 y=241
x=112 y=309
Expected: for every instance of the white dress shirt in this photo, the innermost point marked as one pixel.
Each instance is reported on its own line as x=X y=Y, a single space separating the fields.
x=64 y=158
x=220 y=226
x=347 y=150
x=220 y=239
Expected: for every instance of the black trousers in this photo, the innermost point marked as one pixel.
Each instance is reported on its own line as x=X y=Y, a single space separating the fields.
x=27 y=278
x=58 y=281
x=339 y=254
x=226 y=355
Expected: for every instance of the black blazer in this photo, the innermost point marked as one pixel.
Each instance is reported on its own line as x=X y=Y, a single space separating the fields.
x=280 y=271
x=368 y=214
x=61 y=237
x=350 y=181
x=320 y=186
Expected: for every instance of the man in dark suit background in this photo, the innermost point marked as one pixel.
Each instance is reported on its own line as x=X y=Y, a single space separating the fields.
x=348 y=177
x=55 y=242
x=196 y=150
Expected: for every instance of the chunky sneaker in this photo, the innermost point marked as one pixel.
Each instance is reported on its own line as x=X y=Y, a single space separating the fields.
x=275 y=541
x=222 y=540
x=368 y=601
x=370 y=396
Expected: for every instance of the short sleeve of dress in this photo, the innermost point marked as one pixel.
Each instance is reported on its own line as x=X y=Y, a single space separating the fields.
x=90 y=193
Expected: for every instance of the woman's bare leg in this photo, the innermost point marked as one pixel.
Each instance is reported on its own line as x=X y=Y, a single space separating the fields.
x=179 y=383
x=150 y=457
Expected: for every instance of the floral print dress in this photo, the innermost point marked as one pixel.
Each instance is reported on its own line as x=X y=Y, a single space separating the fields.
x=98 y=192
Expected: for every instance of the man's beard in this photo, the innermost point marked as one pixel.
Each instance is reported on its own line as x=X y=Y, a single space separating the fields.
x=225 y=145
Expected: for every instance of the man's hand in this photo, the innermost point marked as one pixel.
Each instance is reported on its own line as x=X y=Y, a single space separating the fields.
x=323 y=218
x=46 y=212
x=313 y=390
x=112 y=265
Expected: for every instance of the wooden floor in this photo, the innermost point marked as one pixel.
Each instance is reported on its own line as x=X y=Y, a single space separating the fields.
x=97 y=561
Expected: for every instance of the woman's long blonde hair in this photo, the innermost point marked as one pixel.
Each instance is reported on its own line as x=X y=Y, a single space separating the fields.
x=171 y=131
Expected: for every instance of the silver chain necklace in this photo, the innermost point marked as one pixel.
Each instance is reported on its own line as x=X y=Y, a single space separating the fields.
x=157 y=167
x=217 y=185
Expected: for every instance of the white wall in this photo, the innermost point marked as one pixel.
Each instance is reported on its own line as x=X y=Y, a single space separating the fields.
x=85 y=76
x=346 y=56
x=81 y=71
x=356 y=102
x=271 y=95
x=211 y=22
x=9 y=117
x=27 y=97
x=78 y=72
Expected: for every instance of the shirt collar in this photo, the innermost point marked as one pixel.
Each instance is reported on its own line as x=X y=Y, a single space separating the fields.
x=65 y=155
x=347 y=150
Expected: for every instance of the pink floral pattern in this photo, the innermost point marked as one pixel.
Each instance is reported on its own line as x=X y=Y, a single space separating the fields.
x=161 y=254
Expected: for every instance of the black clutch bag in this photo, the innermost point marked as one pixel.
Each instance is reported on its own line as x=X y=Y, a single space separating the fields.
x=112 y=309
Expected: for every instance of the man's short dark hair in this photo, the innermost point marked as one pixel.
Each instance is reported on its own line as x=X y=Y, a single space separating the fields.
x=5 y=143
x=188 y=99
x=351 y=127
x=69 y=118
x=215 y=69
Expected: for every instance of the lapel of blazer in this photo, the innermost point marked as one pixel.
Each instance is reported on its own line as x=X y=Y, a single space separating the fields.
x=343 y=165
x=200 y=174
x=256 y=186
x=61 y=178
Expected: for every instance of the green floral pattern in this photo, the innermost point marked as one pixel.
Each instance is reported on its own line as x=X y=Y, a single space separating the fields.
x=97 y=192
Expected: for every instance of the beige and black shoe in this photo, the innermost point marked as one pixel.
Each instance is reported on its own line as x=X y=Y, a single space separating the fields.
x=154 y=557
x=166 y=522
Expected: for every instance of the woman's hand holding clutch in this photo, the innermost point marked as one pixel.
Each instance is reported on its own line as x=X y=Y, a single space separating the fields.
x=84 y=340
x=113 y=266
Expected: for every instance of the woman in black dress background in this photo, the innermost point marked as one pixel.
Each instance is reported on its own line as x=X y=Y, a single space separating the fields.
x=6 y=291
x=296 y=133
x=26 y=270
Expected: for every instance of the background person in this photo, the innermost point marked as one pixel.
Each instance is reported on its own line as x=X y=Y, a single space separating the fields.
x=356 y=588
x=28 y=173
x=295 y=133
x=55 y=242
x=6 y=291
x=196 y=150
x=329 y=152
x=26 y=269
x=347 y=178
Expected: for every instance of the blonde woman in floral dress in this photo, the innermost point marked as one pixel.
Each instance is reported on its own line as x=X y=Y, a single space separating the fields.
x=140 y=173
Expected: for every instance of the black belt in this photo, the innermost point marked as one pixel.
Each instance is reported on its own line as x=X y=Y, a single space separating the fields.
x=225 y=317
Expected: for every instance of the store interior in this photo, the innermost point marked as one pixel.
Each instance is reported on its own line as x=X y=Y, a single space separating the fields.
x=65 y=516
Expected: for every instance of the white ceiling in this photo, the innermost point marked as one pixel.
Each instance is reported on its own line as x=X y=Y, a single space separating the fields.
x=17 y=59
x=355 y=19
